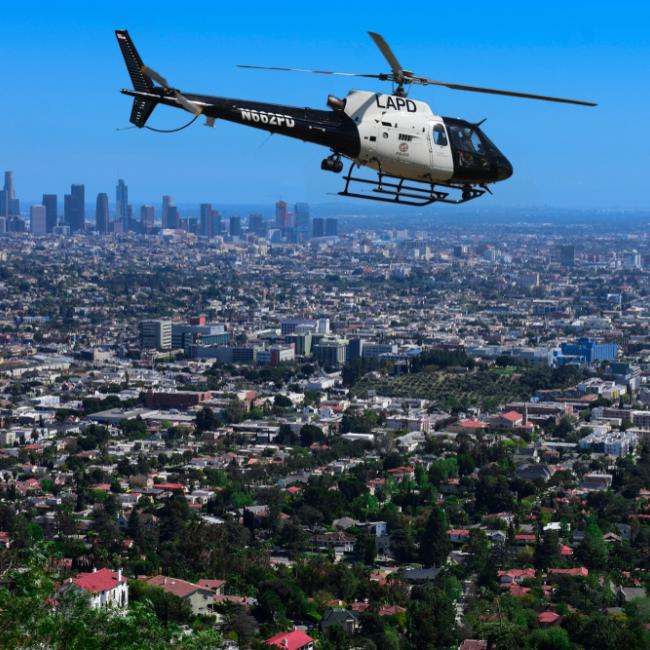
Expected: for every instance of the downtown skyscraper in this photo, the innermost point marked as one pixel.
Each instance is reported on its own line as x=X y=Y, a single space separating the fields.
x=50 y=201
x=9 y=204
x=122 y=203
x=74 y=208
x=101 y=214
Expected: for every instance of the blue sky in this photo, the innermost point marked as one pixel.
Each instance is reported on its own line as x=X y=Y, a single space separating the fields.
x=62 y=71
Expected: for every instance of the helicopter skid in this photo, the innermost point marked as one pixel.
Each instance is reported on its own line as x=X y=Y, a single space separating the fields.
x=403 y=191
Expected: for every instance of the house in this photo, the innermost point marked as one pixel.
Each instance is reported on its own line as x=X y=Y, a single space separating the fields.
x=510 y=420
x=596 y=482
x=577 y=572
x=104 y=587
x=200 y=598
x=294 y=640
x=335 y=540
x=347 y=620
x=536 y=472
x=548 y=618
x=458 y=535
x=473 y=644
x=515 y=576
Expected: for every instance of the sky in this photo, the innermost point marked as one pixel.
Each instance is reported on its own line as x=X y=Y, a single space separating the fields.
x=61 y=109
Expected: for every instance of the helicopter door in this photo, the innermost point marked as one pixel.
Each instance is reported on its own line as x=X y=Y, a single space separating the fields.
x=442 y=163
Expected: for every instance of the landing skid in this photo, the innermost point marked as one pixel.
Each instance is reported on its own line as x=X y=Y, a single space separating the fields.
x=393 y=189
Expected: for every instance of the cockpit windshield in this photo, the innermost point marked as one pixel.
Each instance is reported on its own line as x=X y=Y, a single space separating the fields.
x=465 y=138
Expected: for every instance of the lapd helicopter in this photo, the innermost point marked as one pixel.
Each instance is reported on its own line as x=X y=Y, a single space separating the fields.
x=418 y=156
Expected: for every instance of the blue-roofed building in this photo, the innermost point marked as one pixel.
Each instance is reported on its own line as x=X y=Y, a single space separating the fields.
x=589 y=351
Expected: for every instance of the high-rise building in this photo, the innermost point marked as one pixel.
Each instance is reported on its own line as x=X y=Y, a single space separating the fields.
x=318 y=227
x=257 y=224
x=51 y=211
x=210 y=221
x=101 y=214
x=303 y=220
x=331 y=227
x=147 y=218
x=283 y=218
x=38 y=220
x=156 y=334
x=9 y=204
x=235 y=227
x=331 y=353
x=121 y=202
x=74 y=208
x=169 y=215
x=567 y=255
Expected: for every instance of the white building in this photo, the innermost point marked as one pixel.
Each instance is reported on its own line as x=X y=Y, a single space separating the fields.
x=105 y=588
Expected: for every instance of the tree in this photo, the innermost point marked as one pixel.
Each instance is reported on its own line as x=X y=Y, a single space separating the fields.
x=593 y=551
x=434 y=543
x=309 y=434
x=547 y=551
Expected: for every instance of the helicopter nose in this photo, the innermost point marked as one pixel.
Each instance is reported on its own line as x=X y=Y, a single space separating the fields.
x=504 y=169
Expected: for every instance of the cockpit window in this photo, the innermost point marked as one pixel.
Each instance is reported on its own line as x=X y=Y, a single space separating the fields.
x=439 y=135
x=471 y=150
x=466 y=139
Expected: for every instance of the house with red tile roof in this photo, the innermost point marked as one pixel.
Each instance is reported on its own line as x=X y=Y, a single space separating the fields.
x=104 y=587
x=548 y=618
x=515 y=576
x=201 y=598
x=294 y=640
x=577 y=572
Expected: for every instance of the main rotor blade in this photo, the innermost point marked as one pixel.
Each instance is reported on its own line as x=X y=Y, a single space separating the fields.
x=154 y=76
x=344 y=74
x=395 y=65
x=492 y=91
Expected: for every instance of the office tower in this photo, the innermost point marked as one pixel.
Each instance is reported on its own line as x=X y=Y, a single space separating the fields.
x=169 y=214
x=8 y=197
x=567 y=255
x=156 y=334
x=318 y=227
x=38 y=220
x=355 y=349
x=131 y=224
x=235 y=227
x=257 y=224
x=101 y=213
x=210 y=221
x=147 y=218
x=331 y=227
x=51 y=211
x=121 y=201
x=283 y=218
x=303 y=220
x=74 y=210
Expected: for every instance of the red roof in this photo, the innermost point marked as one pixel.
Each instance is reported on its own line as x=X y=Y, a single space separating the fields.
x=512 y=416
x=518 y=590
x=290 y=640
x=472 y=424
x=98 y=581
x=548 y=617
x=579 y=571
x=169 y=486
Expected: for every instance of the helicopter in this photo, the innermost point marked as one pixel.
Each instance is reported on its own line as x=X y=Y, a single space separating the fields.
x=417 y=156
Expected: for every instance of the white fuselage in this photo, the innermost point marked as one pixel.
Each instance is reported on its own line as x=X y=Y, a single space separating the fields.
x=400 y=136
